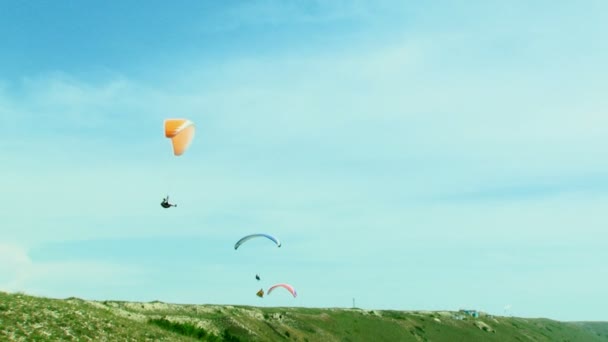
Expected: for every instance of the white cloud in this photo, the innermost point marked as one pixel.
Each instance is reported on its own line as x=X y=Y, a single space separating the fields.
x=272 y=12
x=383 y=124
x=58 y=278
x=13 y=266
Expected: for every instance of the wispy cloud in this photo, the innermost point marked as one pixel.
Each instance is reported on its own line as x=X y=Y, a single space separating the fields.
x=63 y=278
x=272 y=12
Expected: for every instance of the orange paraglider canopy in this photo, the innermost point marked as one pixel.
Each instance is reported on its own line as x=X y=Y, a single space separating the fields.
x=181 y=133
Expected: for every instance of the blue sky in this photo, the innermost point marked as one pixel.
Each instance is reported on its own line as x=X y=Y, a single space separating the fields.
x=411 y=156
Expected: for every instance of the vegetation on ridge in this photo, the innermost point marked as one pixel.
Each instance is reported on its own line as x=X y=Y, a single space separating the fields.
x=28 y=318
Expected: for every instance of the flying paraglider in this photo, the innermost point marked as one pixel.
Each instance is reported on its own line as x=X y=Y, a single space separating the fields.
x=181 y=133
x=286 y=286
x=257 y=277
x=249 y=237
x=260 y=293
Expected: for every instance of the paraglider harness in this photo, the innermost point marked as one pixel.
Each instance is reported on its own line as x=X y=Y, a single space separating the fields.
x=165 y=203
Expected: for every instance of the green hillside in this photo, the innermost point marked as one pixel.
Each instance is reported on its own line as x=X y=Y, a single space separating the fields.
x=28 y=318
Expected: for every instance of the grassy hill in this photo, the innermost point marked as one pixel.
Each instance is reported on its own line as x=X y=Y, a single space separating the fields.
x=28 y=318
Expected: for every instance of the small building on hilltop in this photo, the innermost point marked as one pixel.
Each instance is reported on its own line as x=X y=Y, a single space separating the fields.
x=472 y=313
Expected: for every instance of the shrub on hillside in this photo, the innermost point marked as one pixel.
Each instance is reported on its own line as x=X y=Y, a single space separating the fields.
x=186 y=329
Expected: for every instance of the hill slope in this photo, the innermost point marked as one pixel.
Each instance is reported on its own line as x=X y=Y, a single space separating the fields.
x=24 y=317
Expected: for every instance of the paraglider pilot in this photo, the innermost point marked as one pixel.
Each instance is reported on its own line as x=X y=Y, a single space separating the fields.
x=165 y=203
